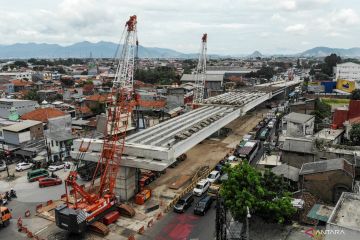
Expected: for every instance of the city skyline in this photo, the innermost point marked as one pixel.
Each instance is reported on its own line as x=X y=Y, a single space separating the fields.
x=270 y=26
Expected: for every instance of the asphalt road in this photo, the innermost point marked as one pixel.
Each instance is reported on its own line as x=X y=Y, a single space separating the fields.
x=28 y=196
x=184 y=226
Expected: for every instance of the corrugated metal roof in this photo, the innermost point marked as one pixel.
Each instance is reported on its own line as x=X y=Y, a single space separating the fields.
x=209 y=77
x=17 y=127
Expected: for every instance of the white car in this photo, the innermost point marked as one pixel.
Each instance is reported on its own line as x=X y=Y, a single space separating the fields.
x=213 y=176
x=201 y=187
x=56 y=166
x=23 y=166
x=231 y=159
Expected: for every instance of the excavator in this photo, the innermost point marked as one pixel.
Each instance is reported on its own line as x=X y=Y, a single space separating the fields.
x=86 y=207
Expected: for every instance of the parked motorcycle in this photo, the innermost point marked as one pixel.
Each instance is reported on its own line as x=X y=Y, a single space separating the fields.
x=13 y=193
x=3 y=201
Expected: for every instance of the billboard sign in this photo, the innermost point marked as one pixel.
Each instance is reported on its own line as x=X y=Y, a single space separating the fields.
x=345 y=85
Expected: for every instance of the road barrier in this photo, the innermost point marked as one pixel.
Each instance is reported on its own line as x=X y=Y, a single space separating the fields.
x=141 y=230
x=63 y=196
x=159 y=216
x=131 y=237
x=38 y=207
x=49 y=202
x=150 y=223
x=27 y=213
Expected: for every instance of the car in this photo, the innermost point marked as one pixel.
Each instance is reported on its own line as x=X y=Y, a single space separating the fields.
x=184 y=203
x=203 y=205
x=48 y=181
x=23 y=166
x=201 y=187
x=219 y=167
x=56 y=166
x=231 y=159
x=213 y=176
x=2 y=166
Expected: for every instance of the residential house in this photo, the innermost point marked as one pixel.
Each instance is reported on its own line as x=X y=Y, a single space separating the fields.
x=43 y=114
x=344 y=221
x=297 y=151
x=328 y=135
x=18 y=105
x=298 y=124
x=23 y=132
x=327 y=179
x=59 y=143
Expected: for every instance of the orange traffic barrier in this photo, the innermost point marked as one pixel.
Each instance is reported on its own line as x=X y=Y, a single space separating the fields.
x=141 y=230
x=131 y=237
x=19 y=223
x=24 y=229
x=150 y=223
x=30 y=234
x=159 y=216
x=27 y=213
x=63 y=196
x=38 y=207
x=49 y=202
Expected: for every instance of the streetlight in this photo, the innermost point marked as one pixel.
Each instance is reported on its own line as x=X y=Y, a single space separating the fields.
x=248 y=216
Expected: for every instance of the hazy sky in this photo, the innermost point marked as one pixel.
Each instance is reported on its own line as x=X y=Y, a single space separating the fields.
x=233 y=26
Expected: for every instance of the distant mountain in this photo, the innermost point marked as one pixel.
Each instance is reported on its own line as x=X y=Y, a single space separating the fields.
x=325 y=51
x=81 y=50
x=255 y=54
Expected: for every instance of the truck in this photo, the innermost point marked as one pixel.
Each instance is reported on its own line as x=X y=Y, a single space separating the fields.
x=5 y=216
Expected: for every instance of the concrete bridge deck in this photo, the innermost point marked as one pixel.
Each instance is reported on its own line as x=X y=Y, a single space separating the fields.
x=158 y=147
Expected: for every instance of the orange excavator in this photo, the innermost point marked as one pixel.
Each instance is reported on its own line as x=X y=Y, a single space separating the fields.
x=85 y=207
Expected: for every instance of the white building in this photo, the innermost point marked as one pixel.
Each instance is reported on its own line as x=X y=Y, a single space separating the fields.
x=348 y=71
x=18 y=105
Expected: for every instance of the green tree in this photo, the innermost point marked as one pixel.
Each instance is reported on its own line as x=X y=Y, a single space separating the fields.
x=355 y=95
x=355 y=134
x=321 y=112
x=32 y=95
x=265 y=195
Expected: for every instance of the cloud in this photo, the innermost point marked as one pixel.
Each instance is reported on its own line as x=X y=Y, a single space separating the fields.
x=233 y=26
x=278 y=18
x=346 y=16
x=297 y=28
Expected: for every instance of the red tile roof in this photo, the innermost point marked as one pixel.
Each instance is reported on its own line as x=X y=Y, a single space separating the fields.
x=43 y=114
x=354 y=120
x=98 y=98
x=20 y=83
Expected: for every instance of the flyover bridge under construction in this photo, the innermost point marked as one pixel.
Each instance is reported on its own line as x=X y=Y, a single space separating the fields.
x=157 y=147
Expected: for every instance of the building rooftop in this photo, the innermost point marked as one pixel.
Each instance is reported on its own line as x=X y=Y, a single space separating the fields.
x=60 y=136
x=287 y=171
x=347 y=212
x=326 y=165
x=320 y=212
x=301 y=145
x=329 y=134
x=209 y=77
x=298 y=117
x=21 y=126
x=14 y=100
x=43 y=114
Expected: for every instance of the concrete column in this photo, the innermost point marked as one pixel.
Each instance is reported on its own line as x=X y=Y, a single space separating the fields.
x=126 y=183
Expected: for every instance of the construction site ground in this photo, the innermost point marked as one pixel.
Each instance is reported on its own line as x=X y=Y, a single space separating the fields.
x=207 y=153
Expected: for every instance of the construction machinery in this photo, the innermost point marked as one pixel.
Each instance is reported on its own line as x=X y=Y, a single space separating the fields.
x=200 y=74
x=5 y=216
x=86 y=207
